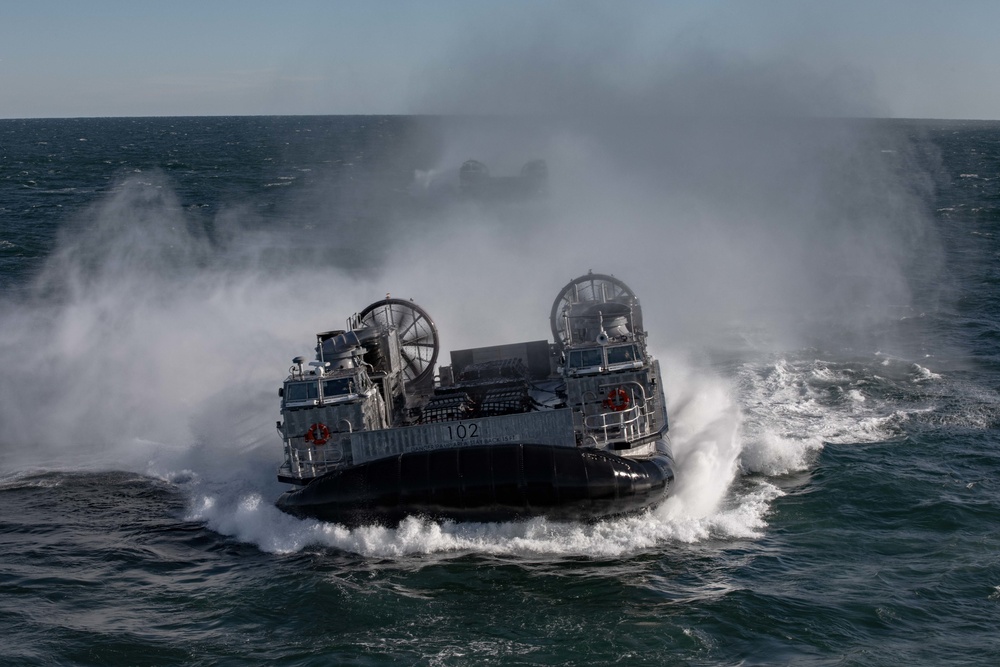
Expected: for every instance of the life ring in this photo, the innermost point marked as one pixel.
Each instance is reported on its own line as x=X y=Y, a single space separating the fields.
x=318 y=434
x=617 y=400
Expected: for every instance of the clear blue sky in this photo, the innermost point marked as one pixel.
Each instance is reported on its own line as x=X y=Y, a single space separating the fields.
x=895 y=58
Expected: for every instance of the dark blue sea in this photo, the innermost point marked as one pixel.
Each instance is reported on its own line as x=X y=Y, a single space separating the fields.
x=823 y=297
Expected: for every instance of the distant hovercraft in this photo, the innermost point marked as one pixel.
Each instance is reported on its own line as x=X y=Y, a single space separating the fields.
x=475 y=181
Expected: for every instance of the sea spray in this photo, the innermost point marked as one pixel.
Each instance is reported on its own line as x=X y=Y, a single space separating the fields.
x=705 y=439
x=707 y=443
x=170 y=341
x=140 y=337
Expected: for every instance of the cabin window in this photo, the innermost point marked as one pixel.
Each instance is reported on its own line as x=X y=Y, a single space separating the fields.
x=338 y=387
x=585 y=358
x=301 y=391
x=622 y=354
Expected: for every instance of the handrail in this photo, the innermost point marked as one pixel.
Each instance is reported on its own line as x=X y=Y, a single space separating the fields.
x=625 y=424
x=313 y=461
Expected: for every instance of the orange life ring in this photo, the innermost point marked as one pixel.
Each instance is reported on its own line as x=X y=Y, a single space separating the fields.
x=617 y=399
x=318 y=434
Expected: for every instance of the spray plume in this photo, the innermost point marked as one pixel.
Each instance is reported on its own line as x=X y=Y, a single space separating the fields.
x=711 y=185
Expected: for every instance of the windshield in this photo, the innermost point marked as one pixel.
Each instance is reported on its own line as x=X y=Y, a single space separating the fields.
x=585 y=358
x=338 y=387
x=622 y=354
x=302 y=391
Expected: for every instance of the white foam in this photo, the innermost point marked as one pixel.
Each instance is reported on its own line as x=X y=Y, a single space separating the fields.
x=772 y=454
x=27 y=479
x=794 y=407
x=706 y=446
x=705 y=426
x=924 y=374
x=252 y=518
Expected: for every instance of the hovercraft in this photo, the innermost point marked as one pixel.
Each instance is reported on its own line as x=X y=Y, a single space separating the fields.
x=574 y=429
x=476 y=182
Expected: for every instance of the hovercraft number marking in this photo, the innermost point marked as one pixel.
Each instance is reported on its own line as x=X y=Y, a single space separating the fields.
x=461 y=431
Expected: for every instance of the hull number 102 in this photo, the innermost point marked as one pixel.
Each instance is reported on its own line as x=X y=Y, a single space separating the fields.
x=463 y=431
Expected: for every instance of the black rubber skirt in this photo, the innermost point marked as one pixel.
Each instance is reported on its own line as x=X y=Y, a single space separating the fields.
x=489 y=483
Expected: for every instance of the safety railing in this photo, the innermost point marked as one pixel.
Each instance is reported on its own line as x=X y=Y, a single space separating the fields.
x=628 y=424
x=308 y=460
x=312 y=461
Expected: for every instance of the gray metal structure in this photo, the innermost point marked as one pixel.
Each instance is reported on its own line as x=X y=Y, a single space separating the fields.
x=372 y=394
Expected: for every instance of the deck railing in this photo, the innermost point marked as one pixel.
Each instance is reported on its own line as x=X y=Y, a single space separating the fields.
x=629 y=424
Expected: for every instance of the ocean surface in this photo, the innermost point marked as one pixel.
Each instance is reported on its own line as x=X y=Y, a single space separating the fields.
x=823 y=296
